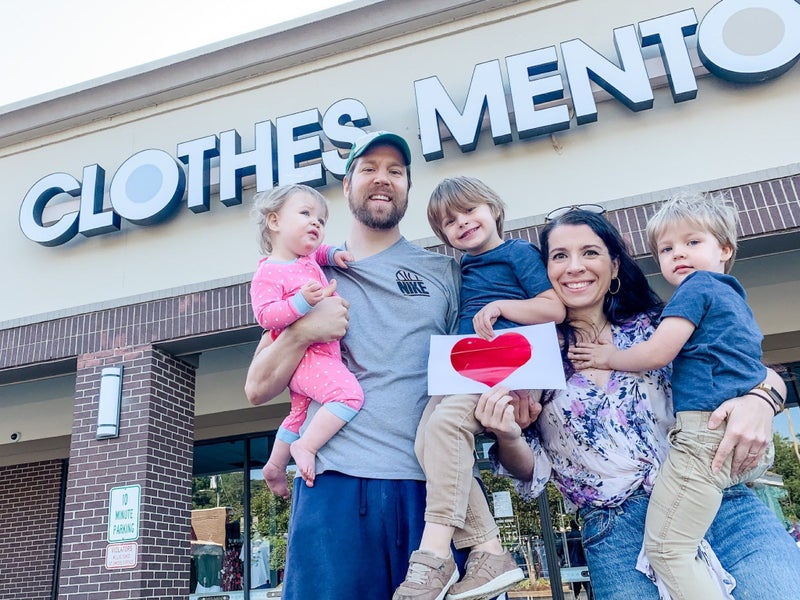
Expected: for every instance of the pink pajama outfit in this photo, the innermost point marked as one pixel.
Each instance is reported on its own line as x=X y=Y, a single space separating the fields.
x=321 y=374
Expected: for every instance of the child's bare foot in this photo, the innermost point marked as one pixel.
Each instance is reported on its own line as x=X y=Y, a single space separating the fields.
x=305 y=460
x=276 y=479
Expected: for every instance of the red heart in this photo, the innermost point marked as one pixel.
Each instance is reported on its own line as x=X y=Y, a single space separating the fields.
x=490 y=362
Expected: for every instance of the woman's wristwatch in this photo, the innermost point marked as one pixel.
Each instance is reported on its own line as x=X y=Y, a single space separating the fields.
x=772 y=397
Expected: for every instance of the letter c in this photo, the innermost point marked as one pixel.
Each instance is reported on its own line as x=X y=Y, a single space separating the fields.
x=32 y=210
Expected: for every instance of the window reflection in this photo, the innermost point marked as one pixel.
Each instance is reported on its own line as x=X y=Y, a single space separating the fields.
x=238 y=530
x=268 y=534
x=535 y=532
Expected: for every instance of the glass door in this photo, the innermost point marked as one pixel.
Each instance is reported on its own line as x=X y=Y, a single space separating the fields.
x=238 y=530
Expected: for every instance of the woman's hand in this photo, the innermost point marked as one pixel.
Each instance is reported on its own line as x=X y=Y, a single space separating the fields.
x=506 y=413
x=528 y=407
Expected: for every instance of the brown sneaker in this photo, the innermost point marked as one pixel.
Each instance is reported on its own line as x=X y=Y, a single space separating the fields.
x=486 y=575
x=428 y=578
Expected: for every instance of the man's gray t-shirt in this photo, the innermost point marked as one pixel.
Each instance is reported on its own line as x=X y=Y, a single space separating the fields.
x=398 y=299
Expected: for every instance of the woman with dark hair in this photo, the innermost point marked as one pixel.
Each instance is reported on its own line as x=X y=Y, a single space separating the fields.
x=637 y=299
x=602 y=439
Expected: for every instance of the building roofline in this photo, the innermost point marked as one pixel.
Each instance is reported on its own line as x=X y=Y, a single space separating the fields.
x=326 y=33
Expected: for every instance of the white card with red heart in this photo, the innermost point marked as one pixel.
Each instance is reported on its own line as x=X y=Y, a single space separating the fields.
x=520 y=358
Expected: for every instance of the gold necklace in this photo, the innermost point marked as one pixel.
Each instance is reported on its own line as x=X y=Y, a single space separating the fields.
x=599 y=332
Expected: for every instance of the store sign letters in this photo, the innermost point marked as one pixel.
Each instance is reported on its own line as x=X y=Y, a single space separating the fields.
x=149 y=186
x=537 y=77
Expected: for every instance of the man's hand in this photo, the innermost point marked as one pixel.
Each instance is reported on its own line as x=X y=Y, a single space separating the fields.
x=274 y=362
x=326 y=322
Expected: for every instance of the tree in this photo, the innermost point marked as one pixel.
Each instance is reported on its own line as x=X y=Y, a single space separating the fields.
x=202 y=494
x=270 y=512
x=271 y=520
x=787 y=465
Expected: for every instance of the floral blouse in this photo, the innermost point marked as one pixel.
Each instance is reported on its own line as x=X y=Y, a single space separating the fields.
x=600 y=445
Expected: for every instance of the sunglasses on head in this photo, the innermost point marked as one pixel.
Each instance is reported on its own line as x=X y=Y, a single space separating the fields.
x=560 y=212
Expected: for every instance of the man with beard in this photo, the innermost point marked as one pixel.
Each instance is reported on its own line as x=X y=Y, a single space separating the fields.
x=351 y=534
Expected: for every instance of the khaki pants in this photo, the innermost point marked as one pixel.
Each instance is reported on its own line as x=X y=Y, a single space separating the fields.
x=445 y=447
x=685 y=499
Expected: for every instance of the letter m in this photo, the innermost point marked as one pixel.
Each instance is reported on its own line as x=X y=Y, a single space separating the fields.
x=485 y=95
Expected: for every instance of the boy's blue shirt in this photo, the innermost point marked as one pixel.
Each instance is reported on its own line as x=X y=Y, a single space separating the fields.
x=514 y=270
x=722 y=358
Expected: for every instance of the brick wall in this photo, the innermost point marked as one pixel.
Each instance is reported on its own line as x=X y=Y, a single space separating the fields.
x=29 y=500
x=766 y=207
x=154 y=450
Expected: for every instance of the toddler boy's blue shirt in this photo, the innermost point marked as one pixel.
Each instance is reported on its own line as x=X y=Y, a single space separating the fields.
x=722 y=358
x=514 y=270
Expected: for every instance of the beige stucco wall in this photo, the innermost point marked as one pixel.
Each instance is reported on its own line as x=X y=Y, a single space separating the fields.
x=728 y=134
x=729 y=131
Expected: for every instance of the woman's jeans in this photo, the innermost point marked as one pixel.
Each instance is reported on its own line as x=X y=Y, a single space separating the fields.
x=747 y=538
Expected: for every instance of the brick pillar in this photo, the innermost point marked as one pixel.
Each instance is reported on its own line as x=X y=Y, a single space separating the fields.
x=154 y=451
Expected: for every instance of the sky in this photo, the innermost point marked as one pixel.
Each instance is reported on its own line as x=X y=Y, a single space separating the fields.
x=48 y=45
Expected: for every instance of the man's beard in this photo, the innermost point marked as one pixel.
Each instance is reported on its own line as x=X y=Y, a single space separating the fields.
x=381 y=221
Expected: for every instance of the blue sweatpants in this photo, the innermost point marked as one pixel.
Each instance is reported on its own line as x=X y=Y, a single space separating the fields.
x=351 y=537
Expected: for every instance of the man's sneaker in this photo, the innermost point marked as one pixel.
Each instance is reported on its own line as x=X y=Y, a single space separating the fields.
x=428 y=578
x=486 y=575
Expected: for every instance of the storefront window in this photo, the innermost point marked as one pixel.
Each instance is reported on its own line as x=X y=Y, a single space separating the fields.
x=268 y=527
x=238 y=531
x=537 y=534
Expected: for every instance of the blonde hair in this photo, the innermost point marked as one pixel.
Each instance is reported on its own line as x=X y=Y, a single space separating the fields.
x=459 y=194
x=266 y=203
x=714 y=213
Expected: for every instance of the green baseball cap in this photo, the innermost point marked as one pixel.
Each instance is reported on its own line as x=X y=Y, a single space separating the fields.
x=365 y=142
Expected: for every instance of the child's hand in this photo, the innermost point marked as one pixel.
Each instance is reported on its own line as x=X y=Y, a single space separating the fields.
x=506 y=413
x=587 y=355
x=342 y=257
x=485 y=318
x=313 y=292
x=528 y=408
